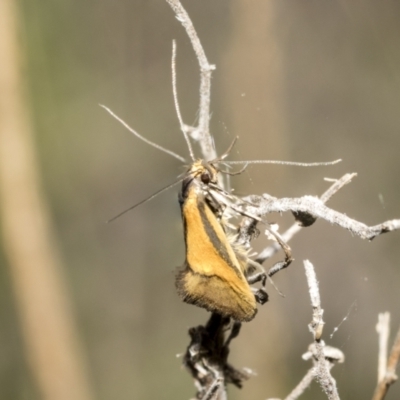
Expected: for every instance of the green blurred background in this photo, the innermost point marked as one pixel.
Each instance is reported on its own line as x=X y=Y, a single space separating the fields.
x=301 y=81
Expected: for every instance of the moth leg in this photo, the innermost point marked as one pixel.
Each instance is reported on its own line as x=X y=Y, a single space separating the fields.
x=254 y=275
x=234 y=333
x=261 y=277
x=285 y=247
x=260 y=294
x=257 y=277
x=288 y=254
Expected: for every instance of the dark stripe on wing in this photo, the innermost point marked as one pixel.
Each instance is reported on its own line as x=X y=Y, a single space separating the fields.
x=215 y=240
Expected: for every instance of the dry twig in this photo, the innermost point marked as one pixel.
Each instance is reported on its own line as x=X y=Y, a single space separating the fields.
x=322 y=366
x=201 y=133
x=314 y=208
x=323 y=357
x=302 y=386
x=307 y=210
x=386 y=371
x=271 y=250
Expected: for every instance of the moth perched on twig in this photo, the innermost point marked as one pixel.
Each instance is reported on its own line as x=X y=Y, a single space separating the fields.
x=217 y=273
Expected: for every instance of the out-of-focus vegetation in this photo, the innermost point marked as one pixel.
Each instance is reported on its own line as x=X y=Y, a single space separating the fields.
x=301 y=81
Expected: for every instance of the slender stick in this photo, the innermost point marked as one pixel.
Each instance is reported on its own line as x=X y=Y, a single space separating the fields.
x=202 y=132
x=184 y=128
x=302 y=386
x=389 y=376
x=315 y=207
x=322 y=369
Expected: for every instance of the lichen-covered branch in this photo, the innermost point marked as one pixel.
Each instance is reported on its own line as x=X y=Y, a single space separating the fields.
x=323 y=357
x=321 y=367
x=302 y=385
x=314 y=207
x=271 y=250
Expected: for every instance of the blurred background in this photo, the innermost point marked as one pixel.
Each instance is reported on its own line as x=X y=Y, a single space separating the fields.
x=300 y=81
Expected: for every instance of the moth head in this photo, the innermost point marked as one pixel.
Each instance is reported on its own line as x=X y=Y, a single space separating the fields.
x=204 y=171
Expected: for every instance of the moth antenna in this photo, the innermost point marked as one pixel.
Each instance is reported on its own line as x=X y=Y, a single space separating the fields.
x=224 y=155
x=298 y=164
x=157 y=146
x=146 y=199
x=176 y=102
x=234 y=173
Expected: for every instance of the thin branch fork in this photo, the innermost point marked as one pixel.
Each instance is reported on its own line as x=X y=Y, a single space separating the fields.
x=309 y=208
x=323 y=357
x=271 y=250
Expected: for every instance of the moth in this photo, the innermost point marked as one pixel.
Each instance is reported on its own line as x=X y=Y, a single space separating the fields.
x=217 y=272
x=214 y=275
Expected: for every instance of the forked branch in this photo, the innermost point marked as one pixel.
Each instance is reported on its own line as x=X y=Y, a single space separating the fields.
x=314 y=208
x=271 y=250
x=323 y=357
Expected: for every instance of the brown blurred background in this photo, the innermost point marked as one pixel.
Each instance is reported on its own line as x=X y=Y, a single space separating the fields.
x=300 y=81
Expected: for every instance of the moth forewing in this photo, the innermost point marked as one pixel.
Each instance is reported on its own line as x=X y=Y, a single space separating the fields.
x=213 y=275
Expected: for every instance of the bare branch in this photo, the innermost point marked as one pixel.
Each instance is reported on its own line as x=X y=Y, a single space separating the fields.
x=394 y=356
x=337 y=185
x=323 y=357
x=184 y=128
x=317 y=323
x=313 y=208
x=389 y=376
x=322 y=366
x=202 y=132
x=271 y=250
x=302 y=386
x=331 y=355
